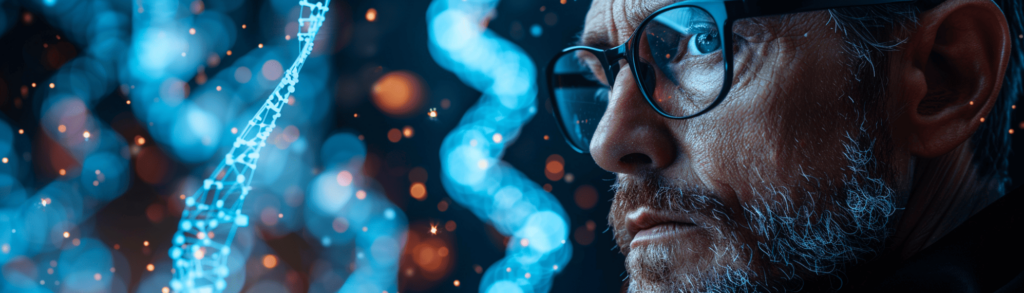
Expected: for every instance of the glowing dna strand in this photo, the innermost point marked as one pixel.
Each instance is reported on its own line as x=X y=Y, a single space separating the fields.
x=473 y=173
x=211 y=216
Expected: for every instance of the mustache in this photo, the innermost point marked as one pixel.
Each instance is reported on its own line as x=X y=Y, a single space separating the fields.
x=654 y=191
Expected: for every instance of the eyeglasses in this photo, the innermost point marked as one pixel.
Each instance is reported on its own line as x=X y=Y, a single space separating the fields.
x=677 y=59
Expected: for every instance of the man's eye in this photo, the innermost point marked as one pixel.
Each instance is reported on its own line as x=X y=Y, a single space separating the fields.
x=703 y=44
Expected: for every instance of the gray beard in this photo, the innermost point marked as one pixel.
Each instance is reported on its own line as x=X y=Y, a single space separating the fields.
x=819 y=237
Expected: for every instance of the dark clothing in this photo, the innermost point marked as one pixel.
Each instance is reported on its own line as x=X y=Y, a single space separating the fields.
x=984 y=254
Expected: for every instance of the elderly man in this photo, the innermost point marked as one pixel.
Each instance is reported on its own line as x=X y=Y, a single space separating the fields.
x=815 y=145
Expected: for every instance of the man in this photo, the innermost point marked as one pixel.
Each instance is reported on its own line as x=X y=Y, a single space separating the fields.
x=841 y=145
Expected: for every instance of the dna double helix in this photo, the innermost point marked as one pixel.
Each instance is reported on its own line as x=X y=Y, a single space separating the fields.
x=213 y=214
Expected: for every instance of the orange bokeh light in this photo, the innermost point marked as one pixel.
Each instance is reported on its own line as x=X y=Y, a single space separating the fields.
x=344 y=178
x=585 y=196
x=394 y=135
x=418 y=191
x=269 y=261
x=398 y=93
x=371 y=15
x=554 y=168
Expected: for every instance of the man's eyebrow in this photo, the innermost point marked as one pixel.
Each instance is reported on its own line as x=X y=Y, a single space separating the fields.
x=595 y=41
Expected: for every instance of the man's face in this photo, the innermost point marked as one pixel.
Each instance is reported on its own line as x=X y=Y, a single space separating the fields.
x=771 y=186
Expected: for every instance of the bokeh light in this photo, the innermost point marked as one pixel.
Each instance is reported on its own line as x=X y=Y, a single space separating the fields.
x=398 y=93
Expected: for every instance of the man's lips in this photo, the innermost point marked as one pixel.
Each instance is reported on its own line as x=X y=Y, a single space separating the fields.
x=645 y=224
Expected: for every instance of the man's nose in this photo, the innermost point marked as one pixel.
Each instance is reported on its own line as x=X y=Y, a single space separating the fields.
x=632 y=137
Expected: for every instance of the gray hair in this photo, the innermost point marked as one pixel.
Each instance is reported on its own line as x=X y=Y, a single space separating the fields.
x=873 y=31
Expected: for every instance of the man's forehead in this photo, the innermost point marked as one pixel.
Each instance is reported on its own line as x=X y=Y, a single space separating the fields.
x=610 y=22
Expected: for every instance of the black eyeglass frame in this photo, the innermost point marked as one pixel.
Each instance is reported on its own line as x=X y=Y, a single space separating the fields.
x=725 y=13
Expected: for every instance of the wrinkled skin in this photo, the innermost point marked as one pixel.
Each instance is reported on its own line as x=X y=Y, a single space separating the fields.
x=796 y=138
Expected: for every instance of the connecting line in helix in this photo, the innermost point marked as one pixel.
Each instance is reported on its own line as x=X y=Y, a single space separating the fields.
x=213 y=214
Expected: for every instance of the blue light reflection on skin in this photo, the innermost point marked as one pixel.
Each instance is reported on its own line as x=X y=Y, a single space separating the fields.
x=473 y=172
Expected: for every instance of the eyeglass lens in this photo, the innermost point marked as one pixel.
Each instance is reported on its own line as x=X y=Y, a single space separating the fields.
x=678 y=64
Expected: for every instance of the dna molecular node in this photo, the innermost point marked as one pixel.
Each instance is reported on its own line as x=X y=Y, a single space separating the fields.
x=213 y=214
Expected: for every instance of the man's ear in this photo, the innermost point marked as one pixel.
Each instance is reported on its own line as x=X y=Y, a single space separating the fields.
x=950 y=74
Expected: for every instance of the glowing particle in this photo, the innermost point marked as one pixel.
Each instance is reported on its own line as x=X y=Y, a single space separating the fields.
x=508 y=269
x=129 y=102
x=355 y=115
x=62 y=172
x=478 y=269
x=4 y=160
x=482 y=164
x=279 y=215
x=524 y=242
x=982 y=119
x=418 y=191
x=456 y=283
x=199 y=253
x=234 y=130
x=450 y=226
x=218 y=88
x=546 y=137
x=269 y=261
x=33 y=84
x=555 y=267
x=1013 y=107
x=563 y=3
x=496 y=137
x=21 y=131
x=117 y=246
x=150 y=267
x=364 y=229
x=339 y=224
x=97 y=276
x=433 y=229
x=6 y=248
x=361 y=195
x=442 y=206
x=243 y=26
x=371 y=14
x=165 y=290
x=46 y=201
x=344 y=178
x=139 y=140
x=145 y=243
x=1011 y=131
x=287 y=37
x=52 y=85
x=229 y=52
x=61 y=128
x=192 y=31
x=394 y=135
x=971 y=103
x=49 y=271
x=407 y=131
x=76 y=242
x=432 y=113
x=260 y=45
x=86 y=135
